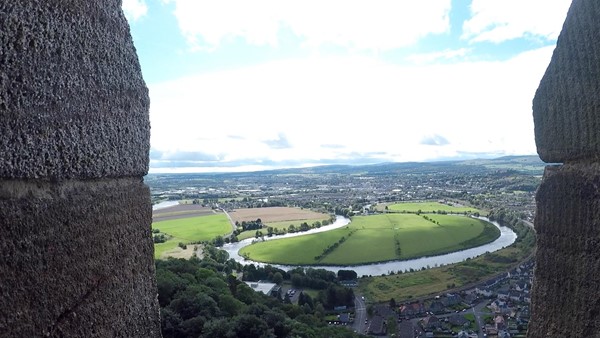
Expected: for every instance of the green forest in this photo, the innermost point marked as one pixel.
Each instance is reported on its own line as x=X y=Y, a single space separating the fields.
x=205 y=298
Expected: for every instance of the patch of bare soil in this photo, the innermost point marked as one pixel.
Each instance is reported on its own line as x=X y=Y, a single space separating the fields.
x=275 y=214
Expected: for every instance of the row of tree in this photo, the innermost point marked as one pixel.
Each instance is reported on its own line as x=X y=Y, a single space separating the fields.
x=330 y=248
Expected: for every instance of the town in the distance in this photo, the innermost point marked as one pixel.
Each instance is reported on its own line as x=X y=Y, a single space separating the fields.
x=439 y=249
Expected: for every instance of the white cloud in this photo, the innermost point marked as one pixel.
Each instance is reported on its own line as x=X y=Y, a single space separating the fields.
x=373 y=109
x=445 y=55
x=380 y=25
x=502 y=20
x=134 y=9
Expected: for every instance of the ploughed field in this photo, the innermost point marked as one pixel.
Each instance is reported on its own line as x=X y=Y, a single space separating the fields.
x=275 y=214
x=279 y=218
x=377 y=238
x=180 y=211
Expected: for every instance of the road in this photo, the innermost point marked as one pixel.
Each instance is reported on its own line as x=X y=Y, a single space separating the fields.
x=360 y=314
x=233 y=227
x=477 y=310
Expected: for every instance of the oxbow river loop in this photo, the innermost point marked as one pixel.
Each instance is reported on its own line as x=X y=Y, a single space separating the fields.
x=507 y=237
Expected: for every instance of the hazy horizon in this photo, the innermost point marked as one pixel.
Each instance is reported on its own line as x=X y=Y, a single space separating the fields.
x=357 y=163
x=238 y=85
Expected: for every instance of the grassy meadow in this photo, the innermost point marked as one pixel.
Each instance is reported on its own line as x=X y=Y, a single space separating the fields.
x=161 y=248
x=190 y=230
x=293 y=251
x=377 y=238
x=429 y=207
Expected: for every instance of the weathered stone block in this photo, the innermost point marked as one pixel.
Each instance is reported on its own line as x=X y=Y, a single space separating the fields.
x=77 y=260
x=73 y=103
x=566 y=107
x=567 y=274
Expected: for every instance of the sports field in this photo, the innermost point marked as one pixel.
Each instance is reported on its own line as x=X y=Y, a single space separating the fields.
x=377 y=238
x=190 y=230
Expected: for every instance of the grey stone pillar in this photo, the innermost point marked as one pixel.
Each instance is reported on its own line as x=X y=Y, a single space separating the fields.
x=76 y=254
x=566 y=109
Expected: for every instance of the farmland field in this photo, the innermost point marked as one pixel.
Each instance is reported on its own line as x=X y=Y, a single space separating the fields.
x=378 y=238
x=276 y=214
x=277 y=217
x=190 y=230
x=296 y=250
x=180 y=211
x=429 y=207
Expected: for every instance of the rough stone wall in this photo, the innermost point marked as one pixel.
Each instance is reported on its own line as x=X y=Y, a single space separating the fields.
x=76 y=250
x=73 y=102
x=566 y=109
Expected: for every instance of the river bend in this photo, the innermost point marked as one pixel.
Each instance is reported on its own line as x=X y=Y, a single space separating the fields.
x=507 y=237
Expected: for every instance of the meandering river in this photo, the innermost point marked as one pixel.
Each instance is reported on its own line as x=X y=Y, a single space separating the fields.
x=507 y=237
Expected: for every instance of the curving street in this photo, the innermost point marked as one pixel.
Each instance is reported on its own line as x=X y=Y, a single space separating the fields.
x=360 y=314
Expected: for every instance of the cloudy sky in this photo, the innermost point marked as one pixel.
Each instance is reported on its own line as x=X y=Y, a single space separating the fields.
x=249 y=85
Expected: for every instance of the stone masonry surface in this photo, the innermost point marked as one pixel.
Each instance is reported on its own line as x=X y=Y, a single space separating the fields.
x=75 y=215
x=567 y=103
x=77 y=260
x=566 y=110
x=73 y=103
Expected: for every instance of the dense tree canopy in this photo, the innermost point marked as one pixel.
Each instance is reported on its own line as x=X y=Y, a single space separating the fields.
x=202 y=298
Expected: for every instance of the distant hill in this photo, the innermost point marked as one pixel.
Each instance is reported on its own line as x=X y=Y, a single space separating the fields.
x=530 y=164
x=527 y=163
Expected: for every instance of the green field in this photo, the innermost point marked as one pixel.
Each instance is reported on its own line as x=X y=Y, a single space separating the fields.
x=190 y=230
x=377 y=238
x=296 y=250
x=429 y=207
